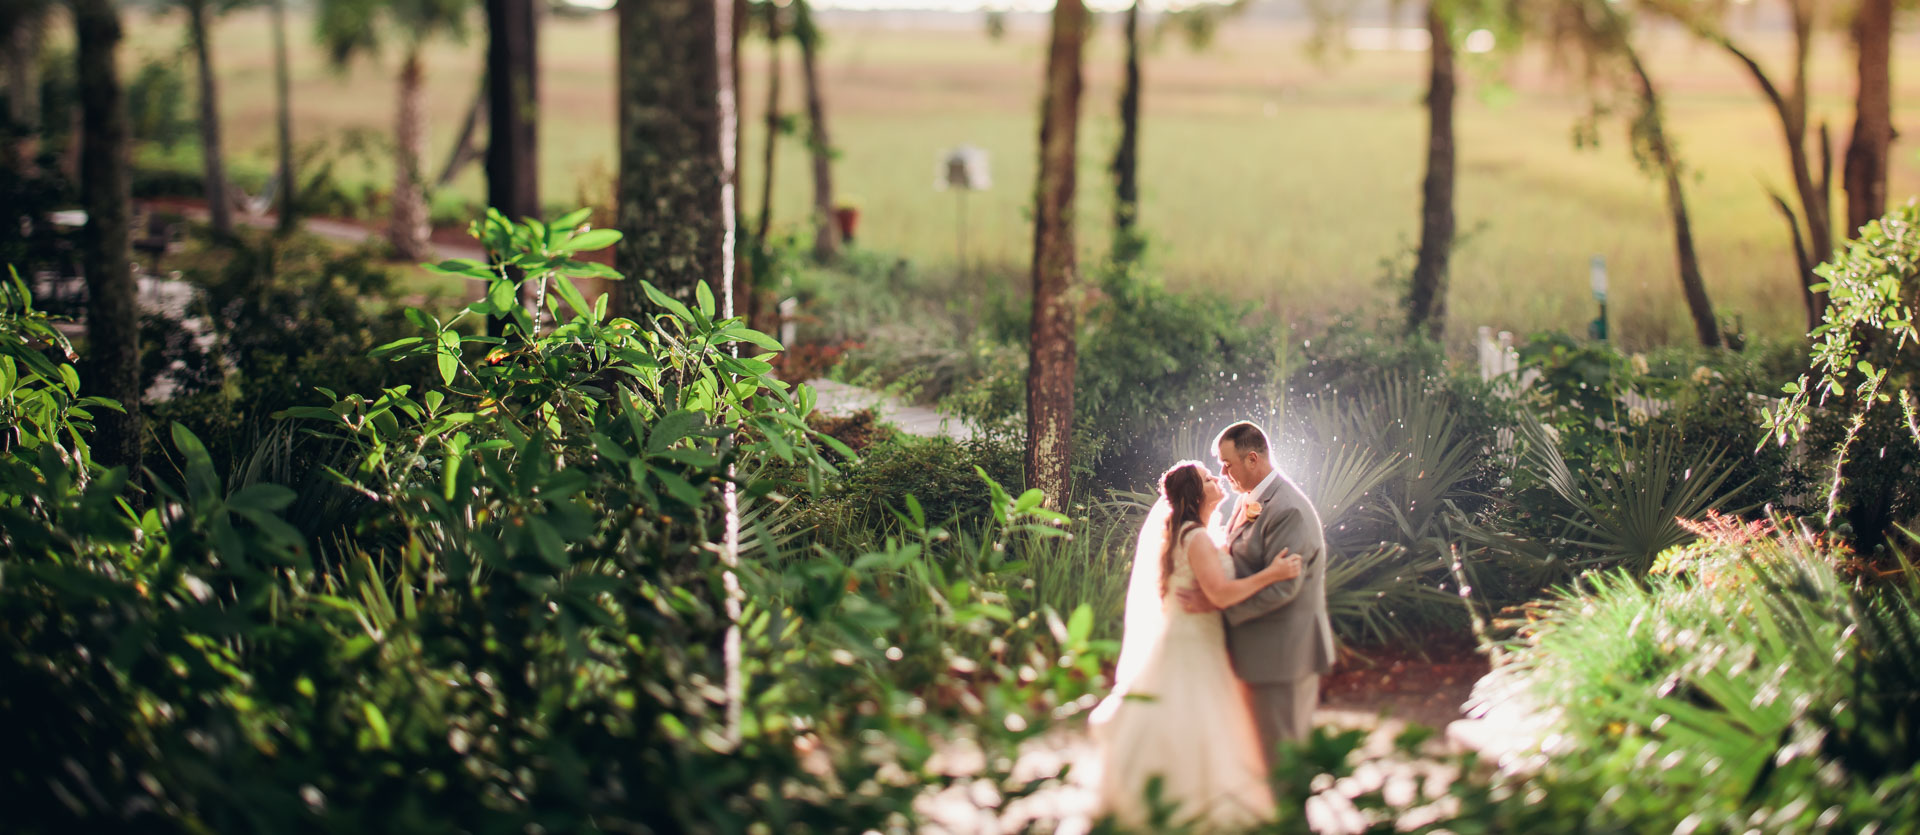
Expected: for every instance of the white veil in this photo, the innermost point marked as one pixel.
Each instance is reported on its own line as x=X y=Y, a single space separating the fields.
x=1144 y=622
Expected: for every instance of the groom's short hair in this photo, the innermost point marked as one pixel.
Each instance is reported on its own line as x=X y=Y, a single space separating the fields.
x=1246 y=437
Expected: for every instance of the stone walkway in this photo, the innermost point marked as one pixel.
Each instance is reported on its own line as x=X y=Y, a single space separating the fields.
x=840 y=399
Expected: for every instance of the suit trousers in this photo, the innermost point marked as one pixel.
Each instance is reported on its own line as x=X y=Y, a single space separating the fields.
x=1283 y=710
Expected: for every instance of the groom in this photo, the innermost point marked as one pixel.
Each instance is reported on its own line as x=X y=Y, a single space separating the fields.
x=1279 y=639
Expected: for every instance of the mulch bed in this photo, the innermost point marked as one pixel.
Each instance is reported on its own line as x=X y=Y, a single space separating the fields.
x=859 y=431
x=1425 y=684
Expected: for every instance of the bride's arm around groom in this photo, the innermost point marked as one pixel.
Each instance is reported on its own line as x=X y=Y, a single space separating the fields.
x=1224 y=590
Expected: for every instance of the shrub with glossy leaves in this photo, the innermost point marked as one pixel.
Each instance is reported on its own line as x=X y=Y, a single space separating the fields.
x=530 y=618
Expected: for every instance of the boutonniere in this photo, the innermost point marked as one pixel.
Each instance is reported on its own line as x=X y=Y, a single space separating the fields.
x=1253 y=510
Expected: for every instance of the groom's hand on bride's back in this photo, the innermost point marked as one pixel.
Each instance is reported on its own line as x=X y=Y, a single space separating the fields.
x=1196 y=602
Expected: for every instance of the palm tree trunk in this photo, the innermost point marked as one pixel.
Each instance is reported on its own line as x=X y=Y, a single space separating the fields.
x=1052 y=355
x=826 y=228
x=219 y=203
x=1427 y=298
x=673 y=207
x=765 y=226
x=1126 y=161
x=283 y=116
x=23 y=85
x=408 y=229
x=1865 y=174
x=510 y=96
x=1692 y=285
x=113 y=333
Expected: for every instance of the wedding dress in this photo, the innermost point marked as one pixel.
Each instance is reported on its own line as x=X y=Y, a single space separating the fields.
x=1177 y=711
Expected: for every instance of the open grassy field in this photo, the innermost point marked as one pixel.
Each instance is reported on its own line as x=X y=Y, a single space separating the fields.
x=1266 y=175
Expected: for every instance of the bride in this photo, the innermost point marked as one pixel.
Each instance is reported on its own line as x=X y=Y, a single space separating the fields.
x=1177 y=713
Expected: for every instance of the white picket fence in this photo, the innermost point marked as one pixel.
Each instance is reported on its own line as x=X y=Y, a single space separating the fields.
x=1500 y=364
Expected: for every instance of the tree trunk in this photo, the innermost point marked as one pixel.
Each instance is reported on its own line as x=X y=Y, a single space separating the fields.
x=510 y=96
x=1816 y=310
x=23 y=85
x=465 y=150
x=826 y=229
x=219 y=203
x=113 y=318
x=1815 y=196
x=1791 y=109
x=283 y=115
x=1865 y=174
x=1427 y=298
x=1692 y=285
x=408 y=230
x=675 y=209
x=743 y=278
x=1052 y=356
x=765 y=227
x=1126 y=184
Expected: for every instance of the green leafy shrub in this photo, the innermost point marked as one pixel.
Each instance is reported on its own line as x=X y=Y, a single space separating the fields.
x=288 y=318
x=41 y=409
x=1389 y=463
x=939 y=473
x=1757 y=687
x=1867 y=333
x=529 y=622
x=1152 y=360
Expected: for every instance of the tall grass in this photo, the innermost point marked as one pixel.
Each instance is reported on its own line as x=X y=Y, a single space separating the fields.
x=1282 y=181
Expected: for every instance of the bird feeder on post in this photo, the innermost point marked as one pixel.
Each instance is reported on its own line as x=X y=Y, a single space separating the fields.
x=1598 y=327
x=962 y=169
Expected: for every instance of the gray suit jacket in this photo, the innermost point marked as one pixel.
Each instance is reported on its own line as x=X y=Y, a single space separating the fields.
x=1281 y=633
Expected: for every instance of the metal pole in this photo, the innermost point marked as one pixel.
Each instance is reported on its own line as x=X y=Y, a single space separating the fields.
x=963 y=233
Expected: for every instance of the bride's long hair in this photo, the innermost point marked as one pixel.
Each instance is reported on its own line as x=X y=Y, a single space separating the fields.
x=1184 y=488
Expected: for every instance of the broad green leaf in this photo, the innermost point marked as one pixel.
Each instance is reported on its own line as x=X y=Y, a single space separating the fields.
x=590 y=269
x=703 y=296
x=663 y=300
x=670 y=428
x=573 y=219
x=464 y=267
x=448 y=356
x=590 y=240
x=377 y=723
x=1079 y=625
x=203 y=485
x=571 y=295
x=1029 y=500
x=754 y=337
x=395 y=346
x=264 y=498
x=500 y=294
